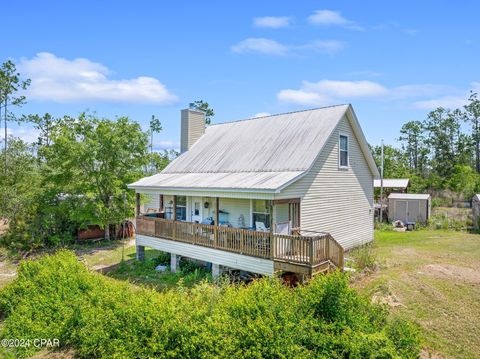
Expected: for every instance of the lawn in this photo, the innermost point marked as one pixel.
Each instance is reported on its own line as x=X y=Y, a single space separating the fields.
x=432 y=278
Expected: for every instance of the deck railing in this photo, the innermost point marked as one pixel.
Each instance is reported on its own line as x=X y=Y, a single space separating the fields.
x=297 y=249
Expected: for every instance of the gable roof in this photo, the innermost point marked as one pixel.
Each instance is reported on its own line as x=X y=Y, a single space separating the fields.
x=265 y=153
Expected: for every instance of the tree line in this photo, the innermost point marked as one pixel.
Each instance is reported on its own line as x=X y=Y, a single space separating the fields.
x=440 y=153
x=75 y=173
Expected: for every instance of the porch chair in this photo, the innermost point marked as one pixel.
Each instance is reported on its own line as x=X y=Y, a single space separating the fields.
x=260 y=226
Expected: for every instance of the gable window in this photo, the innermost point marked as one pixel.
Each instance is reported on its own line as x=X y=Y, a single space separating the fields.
x=343 y=153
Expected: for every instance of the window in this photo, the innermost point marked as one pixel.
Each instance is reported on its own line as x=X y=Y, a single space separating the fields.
x=181 y=208
x=260 y=213
x=343 y=153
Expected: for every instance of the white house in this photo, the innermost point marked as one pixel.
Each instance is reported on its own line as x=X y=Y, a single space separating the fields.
x=286 y=192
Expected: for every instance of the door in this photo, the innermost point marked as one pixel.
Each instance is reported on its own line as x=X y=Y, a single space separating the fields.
x=197 y=209
x=401 y=209
x=413 y=210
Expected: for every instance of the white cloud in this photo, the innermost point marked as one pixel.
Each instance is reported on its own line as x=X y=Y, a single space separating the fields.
x=262 y=114
x=273 y=22
x=332 y=18
x=445 y=101
x=454 y=99
x=330 y=47
x=272 y=47
x=302 y=97
x=62 y=80
x=165 y=145
x=27 y=134
x=327 y=92
x=260 y=45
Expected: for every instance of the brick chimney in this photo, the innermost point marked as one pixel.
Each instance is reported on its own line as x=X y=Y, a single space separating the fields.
x=192 y=128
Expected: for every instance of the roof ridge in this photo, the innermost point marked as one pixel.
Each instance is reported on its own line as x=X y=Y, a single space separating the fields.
x=278 y=114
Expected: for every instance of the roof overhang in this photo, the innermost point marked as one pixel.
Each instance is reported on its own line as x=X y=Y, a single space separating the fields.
x=263 y=182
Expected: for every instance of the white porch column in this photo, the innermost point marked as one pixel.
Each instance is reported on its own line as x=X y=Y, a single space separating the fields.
x=215 y=270
x=140 y=253
x=174 y=262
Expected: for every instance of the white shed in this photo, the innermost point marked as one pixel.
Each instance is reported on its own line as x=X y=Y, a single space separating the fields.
x=409 y=207
x=476 y=211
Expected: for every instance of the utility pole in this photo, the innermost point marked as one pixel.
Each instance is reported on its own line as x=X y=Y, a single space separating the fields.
x=381 y=187
x=5 y=119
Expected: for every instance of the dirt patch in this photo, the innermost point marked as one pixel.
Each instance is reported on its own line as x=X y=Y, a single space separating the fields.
x=406 y=252
x=389 y=299
x=426 y=354
x=448 y=271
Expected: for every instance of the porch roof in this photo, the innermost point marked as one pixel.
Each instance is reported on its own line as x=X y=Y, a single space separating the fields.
x=223 y=181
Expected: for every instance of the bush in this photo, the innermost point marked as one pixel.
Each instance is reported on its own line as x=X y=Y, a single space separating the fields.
x=364 y=257
x=57 y=297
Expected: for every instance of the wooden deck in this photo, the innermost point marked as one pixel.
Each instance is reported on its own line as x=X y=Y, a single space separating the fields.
x=291 y=253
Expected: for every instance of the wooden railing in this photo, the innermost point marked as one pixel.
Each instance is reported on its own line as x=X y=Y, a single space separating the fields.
x=297 y=249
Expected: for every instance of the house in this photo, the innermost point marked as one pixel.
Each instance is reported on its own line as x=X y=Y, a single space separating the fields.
x=409 y=208
x=286 y=192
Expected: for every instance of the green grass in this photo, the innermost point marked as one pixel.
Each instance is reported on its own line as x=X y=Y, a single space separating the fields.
x=433 y=278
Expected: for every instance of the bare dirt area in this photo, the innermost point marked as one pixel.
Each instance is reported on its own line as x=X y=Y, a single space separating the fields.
x=452 y=272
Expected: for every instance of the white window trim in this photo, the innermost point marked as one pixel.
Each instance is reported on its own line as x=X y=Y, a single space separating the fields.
x=348 y=150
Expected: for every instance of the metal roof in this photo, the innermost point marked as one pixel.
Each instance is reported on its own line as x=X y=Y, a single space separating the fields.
x=252 y=181
x=265 y=153
x=392 y=183
x=408 y=196
x=286 y=142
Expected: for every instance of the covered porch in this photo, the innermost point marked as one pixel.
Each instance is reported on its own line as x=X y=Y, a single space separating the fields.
x=259 y=235
x=258 y=214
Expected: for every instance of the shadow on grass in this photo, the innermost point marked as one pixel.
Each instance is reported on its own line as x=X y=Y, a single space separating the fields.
x=143 y=273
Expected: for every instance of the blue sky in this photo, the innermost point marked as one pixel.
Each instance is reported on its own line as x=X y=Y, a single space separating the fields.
x=392 y=62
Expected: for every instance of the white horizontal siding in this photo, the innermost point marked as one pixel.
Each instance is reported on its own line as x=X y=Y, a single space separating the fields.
x=236 y=207
x=232 y=260
x=152 y=200
x=335 y=200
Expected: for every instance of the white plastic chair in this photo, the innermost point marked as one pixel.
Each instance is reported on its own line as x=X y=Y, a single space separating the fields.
x=260 y=226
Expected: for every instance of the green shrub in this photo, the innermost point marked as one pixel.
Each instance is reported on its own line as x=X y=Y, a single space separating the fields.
x=364 y=257
x=57 y=297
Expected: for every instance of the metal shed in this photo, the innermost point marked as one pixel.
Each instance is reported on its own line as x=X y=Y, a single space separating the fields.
x=409 y=208
x=476 y=211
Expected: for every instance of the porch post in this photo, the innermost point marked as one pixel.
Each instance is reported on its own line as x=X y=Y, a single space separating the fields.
x=272 y=241
x=140 y=253
x=160 y=203
x=174 y=214
x=137 y=204
x=217 y=223
x=174 y=262
x=174 y=217
x=215 y=270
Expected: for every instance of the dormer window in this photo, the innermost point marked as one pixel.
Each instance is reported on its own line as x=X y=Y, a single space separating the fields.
x=343 y=152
